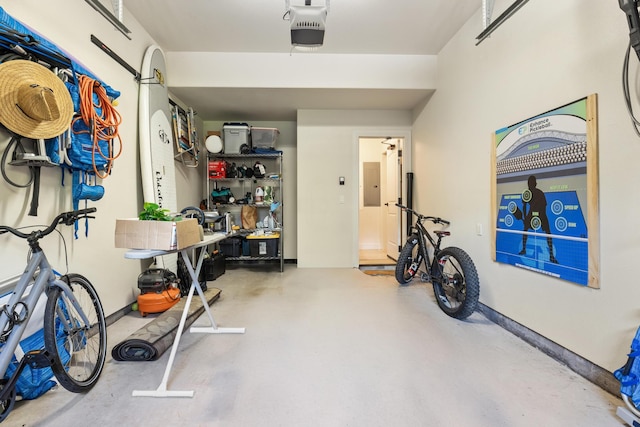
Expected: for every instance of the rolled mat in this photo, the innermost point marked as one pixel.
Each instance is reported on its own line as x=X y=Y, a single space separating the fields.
x=149 y=342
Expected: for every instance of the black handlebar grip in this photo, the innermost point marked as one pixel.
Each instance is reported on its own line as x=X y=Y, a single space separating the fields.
x=85 y=211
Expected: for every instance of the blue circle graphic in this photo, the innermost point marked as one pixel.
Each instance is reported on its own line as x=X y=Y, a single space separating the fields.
x=561 y=224
x=557 y=207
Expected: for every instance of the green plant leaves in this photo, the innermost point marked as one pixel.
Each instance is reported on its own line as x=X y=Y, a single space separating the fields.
x=153 y=212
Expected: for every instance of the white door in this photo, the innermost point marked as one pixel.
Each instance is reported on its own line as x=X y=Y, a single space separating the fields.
x=394 y=184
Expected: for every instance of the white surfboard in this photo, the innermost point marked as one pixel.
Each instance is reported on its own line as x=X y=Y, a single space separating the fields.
x=156 y=137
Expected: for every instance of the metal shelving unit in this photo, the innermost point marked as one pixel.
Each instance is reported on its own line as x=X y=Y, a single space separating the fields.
x=240 y=186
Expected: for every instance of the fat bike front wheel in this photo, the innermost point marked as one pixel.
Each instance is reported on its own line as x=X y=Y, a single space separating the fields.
x=409 y=261
x=455 y=283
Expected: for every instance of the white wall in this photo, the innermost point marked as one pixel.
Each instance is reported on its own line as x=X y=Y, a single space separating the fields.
x=548 y=54
x=69 y=24
x=328 y=149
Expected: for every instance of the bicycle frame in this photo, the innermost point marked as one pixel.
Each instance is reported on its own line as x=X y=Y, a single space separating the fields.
x=44 y=281
x=423 y=236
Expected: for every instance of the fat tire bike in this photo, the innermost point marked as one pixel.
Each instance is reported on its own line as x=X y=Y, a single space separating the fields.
x=75 y=330
x=451 y=270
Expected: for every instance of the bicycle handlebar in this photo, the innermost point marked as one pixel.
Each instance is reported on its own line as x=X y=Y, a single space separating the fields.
x=66 y=218
x=434 y=219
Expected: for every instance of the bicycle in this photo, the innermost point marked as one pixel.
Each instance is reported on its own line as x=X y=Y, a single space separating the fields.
x=75 y=330
x=450 y=270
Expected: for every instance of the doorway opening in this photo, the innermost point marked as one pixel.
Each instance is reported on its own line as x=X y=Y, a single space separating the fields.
x=380 y=224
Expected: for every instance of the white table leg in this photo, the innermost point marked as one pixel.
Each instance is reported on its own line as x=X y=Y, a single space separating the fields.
x=213 y=329
x=162 y=391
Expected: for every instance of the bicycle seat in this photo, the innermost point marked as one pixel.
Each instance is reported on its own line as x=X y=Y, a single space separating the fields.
x=441 y=233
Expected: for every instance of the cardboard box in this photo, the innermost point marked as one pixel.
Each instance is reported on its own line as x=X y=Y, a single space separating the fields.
x=132 y=233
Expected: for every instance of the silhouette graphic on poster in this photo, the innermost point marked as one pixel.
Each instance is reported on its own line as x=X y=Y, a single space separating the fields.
x=534 y=215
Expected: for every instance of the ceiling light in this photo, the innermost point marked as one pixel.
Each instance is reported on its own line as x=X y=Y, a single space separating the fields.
x=307 y=24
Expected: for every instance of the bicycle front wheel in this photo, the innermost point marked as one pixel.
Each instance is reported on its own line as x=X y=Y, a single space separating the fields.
x=455 y=283
x=409 y=261
x=78 y=349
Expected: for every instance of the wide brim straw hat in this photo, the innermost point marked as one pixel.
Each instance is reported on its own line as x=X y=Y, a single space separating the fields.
x=34 y=102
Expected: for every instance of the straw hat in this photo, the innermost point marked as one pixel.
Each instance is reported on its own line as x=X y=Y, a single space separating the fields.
x=34 y=102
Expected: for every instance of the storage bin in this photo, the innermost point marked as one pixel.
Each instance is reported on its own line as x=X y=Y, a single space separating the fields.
x=264 y=137
x=213 y=267
x=264 y=246
x=230 y=247
x=235 y=135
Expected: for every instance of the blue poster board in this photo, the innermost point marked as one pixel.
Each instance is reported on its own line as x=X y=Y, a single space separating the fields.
x=542 y=192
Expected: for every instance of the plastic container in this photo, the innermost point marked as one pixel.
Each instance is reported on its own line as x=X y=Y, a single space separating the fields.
x=235 y=135
x=264 y=246
x=231 y=247
x=213 y=267
x=264 y=137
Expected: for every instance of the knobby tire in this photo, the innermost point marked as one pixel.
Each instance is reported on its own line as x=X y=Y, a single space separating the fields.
x=409 y=254
x=456 y=285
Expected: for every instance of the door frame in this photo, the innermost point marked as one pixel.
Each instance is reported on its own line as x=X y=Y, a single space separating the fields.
x=378 y=132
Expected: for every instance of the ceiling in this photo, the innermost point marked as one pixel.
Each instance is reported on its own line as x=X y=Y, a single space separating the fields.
x=385 y=27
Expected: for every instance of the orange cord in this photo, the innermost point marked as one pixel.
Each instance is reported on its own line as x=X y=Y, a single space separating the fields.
x=103 y=126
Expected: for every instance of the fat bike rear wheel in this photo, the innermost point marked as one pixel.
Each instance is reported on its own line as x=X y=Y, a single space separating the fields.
x=455 y=283
x=409 y=261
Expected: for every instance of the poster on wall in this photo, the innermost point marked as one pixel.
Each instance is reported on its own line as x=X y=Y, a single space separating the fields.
x=545 y=193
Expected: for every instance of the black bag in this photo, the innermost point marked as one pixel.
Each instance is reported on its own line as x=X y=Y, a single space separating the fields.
x=185 y=278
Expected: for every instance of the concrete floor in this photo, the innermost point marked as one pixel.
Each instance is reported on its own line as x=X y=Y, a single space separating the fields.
x=333 y=347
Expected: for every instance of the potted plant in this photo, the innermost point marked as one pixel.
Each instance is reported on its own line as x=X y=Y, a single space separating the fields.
x=153 y=212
